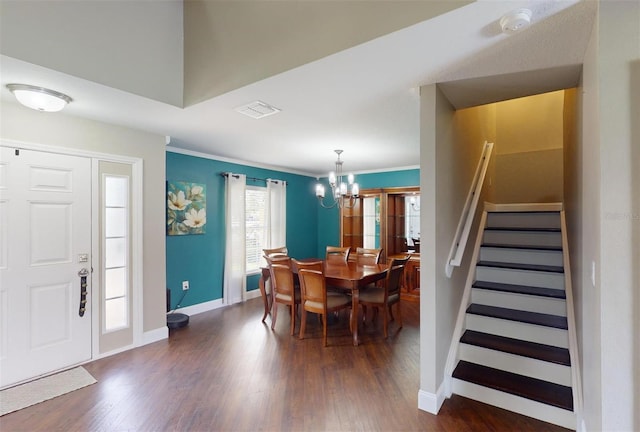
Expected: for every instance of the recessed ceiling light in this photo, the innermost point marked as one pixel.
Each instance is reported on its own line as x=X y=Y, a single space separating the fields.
x=39 y=98
x=516 y=20
x=258 y=109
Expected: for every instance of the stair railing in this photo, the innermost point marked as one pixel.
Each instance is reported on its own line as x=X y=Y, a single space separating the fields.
x=468 y=212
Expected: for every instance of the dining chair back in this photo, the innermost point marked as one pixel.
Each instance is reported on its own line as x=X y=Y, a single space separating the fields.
x=284 y=292
x=416 y=244
x=337 y=254
x=317 y=265
x=388 y=294
x=315 y=299
x=276 y=251
x=366 y=256
x=278 y=259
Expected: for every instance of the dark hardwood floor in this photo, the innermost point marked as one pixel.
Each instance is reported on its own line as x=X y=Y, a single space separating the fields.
x=227 y=371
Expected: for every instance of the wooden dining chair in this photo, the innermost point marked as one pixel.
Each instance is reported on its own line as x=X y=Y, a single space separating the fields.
x=366 y=256
x=337 y=254
x=317 y=265
x=276 y=251
x=266 y=282
x=315 y=299
x=278 y=259
x=387 y=295
x=284 y=292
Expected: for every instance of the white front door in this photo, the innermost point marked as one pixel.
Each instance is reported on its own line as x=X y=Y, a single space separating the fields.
x=45 y=241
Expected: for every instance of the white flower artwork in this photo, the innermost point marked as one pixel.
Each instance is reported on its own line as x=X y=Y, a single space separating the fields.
x=186 y=208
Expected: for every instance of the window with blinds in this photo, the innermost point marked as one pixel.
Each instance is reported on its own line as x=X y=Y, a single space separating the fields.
x=256 y=220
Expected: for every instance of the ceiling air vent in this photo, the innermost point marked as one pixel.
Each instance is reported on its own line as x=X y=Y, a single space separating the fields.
x=257 y=109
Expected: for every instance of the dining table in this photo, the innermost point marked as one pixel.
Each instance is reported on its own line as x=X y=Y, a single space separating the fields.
x=348 y=276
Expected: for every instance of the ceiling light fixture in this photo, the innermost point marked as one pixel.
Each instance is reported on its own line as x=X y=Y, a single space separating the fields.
x=344 y=194
x=516 y=20
x=39 y=98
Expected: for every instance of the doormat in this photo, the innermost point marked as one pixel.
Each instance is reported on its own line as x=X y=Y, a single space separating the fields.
x=40 y=390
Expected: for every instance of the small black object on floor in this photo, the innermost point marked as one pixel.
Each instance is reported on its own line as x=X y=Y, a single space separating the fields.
x=177 y=320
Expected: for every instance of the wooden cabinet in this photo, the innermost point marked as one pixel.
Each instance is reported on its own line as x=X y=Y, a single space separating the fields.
x=352 y=226
x=411 y=283
x=389 y=228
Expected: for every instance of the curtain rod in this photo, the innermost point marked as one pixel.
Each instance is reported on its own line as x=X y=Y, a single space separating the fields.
x=227 y=174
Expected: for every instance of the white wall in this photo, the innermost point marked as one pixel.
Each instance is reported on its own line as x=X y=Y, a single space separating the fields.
x=584 y=230
x=57 y=129
x=450 y=148
x=618 y=49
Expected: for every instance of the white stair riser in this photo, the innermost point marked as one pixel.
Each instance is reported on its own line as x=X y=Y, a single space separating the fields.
x=521 y=256
x=523 y=220
x=520 y=365
x=547 y=305
x=520 y=277
x=517 y=330
x=523 y=238
x=547 y=413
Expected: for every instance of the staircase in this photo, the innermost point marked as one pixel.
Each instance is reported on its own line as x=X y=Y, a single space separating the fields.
x=513 y=350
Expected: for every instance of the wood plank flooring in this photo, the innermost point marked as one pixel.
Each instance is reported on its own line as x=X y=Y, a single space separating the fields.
x=227 y=371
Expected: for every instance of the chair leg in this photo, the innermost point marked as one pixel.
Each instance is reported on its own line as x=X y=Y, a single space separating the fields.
x=303 y=323
x=274 y=316
x=293 y=319
x=399 y=315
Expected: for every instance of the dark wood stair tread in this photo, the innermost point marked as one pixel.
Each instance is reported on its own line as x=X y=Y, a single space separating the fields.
x=519 y=347
x=519 y=266
x=520 y=289
x=529 y=229
x=531 y=388
x=521 y=246
x=536 y=318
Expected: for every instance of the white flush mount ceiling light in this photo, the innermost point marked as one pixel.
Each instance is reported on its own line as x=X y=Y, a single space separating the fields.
x=258 y=109
x=516 y=20
x=39 y=98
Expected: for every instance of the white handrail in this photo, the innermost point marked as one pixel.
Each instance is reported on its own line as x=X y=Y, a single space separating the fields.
x=466 y=218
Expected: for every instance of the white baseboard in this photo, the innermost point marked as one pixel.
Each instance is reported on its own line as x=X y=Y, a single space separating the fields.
x=148 y=337
x=431 y=402
x=201 y=307
x=214 y=304
x=155 y=335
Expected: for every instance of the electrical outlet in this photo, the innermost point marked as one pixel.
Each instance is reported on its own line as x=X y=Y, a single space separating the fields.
x=185 y=285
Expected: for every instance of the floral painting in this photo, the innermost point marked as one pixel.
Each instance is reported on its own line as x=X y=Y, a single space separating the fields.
x=186 y=208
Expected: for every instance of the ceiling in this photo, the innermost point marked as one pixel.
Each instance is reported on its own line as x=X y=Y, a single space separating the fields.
x=364 y=99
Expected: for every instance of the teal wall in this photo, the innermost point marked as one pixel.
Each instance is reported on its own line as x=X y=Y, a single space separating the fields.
x=200 y=258
x=329 y=219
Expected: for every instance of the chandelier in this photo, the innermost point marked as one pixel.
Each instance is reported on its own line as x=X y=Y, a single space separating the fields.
x=344 y=194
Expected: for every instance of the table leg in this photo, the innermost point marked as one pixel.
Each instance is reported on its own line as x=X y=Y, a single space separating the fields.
x=266 y=298
x=355 y=295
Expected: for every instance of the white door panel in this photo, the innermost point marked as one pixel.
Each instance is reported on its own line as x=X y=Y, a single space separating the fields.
x=45 y=215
